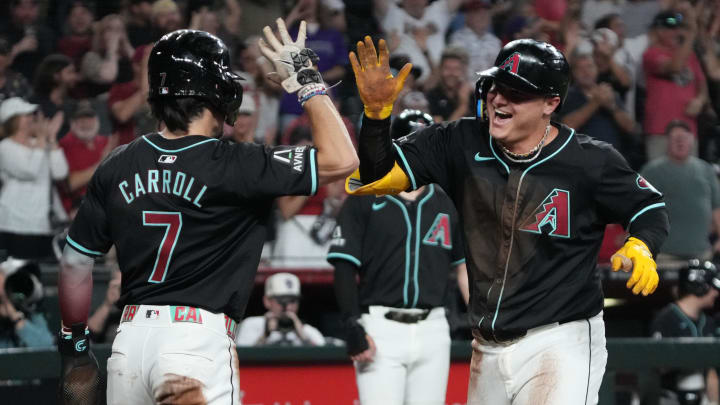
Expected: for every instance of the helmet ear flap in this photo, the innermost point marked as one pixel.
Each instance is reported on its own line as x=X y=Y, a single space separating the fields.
x=481 y=89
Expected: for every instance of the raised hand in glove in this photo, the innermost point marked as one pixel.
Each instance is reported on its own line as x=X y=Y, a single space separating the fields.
x=377 y=87
x=80 y=379
x=293 y=62
x=636 y=256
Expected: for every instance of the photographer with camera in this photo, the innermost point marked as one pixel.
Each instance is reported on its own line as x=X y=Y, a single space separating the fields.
x=280 y=325
x=21 y=325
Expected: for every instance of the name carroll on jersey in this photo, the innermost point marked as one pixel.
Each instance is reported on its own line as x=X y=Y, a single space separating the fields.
x=165 y=182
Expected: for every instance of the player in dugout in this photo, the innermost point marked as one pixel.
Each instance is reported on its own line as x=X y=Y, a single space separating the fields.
x=534 y=198
x=188 y=214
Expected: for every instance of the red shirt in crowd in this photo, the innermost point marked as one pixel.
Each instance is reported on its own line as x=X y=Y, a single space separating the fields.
x=667 y=98
x=120 y=92
x=80 y=156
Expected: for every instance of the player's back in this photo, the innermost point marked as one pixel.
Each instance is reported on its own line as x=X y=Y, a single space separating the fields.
x=188 y=216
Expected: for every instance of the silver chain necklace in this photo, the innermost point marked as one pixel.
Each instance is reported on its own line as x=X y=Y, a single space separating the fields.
x=525 y=157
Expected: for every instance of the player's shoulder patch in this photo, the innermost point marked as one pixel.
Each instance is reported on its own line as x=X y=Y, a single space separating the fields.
x=291 y=156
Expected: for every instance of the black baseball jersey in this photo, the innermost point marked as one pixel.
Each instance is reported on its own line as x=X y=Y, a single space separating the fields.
x=672 y=322
x=404 y=249
x=533 y=230
x=188 y=216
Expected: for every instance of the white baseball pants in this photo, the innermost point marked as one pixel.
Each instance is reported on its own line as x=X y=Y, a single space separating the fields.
x=412 y=361
x=173 y=355
x=552 y=365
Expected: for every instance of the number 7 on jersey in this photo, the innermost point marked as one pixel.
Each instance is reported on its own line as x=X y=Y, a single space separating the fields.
x=172 y=221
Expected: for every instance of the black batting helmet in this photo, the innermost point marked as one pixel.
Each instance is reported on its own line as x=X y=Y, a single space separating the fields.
x=191 y=63
x=408 y=122
x=697 y=277
x=529 y=66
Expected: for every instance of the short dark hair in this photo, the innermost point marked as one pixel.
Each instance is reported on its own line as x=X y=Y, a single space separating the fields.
x=44 y=81
x=178 y=112
x=676 y=123
x=604 y=21
x=455 y=52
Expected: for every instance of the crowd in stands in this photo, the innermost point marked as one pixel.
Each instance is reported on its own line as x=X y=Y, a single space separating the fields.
x=73 y=86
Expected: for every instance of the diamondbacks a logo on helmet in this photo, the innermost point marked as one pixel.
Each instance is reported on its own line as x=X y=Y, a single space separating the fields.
x=439 y=233
x=552 y=216
x=512 y=63
x=645 y=185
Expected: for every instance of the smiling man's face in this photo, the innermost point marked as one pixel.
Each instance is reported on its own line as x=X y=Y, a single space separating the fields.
x=515 y=115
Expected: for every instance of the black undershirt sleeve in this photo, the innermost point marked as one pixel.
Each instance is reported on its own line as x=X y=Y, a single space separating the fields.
x=375 y=149
x=651 y=227
x=346 y=289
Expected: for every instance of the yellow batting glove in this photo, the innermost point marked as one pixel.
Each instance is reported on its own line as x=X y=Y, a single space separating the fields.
x=636 y=256
x=377 y=87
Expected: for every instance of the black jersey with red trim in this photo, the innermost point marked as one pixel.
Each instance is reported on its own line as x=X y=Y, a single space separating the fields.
x=533 y=230
x=188 y=216
x=404 y=249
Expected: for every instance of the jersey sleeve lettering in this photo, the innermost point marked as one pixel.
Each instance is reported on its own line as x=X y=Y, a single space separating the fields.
x=271 y=172
x=346 y=242
x=89 y=233
x=424 y=156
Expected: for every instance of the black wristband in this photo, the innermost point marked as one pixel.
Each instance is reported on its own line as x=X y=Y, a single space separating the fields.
x=375 y=149
x=355 y=341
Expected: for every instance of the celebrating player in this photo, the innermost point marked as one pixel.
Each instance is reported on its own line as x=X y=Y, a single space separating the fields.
x=403 y=249
x=188 y=214
x=534 y=198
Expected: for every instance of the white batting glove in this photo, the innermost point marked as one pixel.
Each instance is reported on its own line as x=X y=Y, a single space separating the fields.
x=293 y=62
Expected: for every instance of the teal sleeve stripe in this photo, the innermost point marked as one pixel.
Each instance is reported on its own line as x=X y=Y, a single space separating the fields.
x=456 y=262
x=80 y=248
x=344 y=256
x=313 y=171
x=646 y=209
x=407 y=167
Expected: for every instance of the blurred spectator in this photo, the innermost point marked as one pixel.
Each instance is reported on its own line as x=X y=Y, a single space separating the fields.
x=452 y=98
x=697 y=290
x=109 y=61
x=128 y=99
x=21 y=323
x=332 y=15
x=638 y=15
x=412 y=100
x=594 y=109
x=30 y=39
x=78 y=36
x=593 y=10
x=30 y=160
x=303 y=233
x=328 y=44
x=676 y=87
x=222 y=22
x=165 y=18
x=54 y=77
x=605 y=44
x=12 y=84
x=410 y=96
x=417 y=29
x=476 y=38
x=139 y=22
x=104 y=321
x=692 y=195
x=280 y=325
x=521 y=26
x=84 y=150
x=244 y=128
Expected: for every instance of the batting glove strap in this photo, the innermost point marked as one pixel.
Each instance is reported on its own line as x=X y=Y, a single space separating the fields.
x=356 y=341
x=303 y=77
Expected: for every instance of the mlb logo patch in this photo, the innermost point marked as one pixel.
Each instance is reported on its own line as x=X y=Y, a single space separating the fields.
x=152 y=314
x=164 y=90
x=167 y=159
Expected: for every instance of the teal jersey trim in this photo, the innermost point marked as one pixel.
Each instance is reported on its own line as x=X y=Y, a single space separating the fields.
x=378 y=206
x=407 y=167
x=550 y=156
x=313 y=171
x=646 y=209
x=178 y=150
x=344 y=256
x=407 y=246
x=81 y=248
x=417 y=243
x=492 y=149
x=456 y=262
